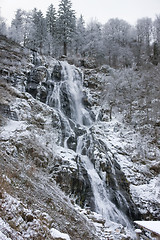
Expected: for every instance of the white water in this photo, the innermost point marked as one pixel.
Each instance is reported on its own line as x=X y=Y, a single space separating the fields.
x=73 y=80
x=55 y=96
x=73 y=83
x=102 y=203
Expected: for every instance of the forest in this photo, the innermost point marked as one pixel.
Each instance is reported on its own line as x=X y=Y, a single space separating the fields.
x=116 y=43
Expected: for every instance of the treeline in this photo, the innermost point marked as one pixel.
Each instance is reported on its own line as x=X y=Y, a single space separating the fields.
x=116 y=43
x=134 y=93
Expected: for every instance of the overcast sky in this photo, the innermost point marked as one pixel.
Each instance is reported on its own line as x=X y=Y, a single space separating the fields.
x=102 y=10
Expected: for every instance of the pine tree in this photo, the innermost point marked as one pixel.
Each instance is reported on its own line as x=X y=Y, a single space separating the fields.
x=28 y=29
x=51 y=20
x=39 y=33
x=51 y=39
x=65 y=24
x=3 y=27
x=16 y=29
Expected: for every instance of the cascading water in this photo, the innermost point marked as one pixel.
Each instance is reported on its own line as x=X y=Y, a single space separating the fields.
x=66 y=97
x=74 y=91
x=101 y=196
x=69 y=91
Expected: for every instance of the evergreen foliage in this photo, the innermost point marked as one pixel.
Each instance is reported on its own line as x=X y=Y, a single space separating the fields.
x=51 y=17
x=3 y=27
x=39 y=32
x=16 y=30
x=65 y=23
x=115 y=43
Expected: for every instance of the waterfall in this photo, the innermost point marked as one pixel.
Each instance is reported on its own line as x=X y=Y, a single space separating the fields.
x=102 y=203
x=73 y=80
x=69 y=91
x=66 y=96
x=101 y=196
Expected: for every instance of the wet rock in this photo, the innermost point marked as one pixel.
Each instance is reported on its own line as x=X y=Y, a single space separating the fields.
x=1 y=195
x=38 y=76
x=28 y=217
x=56 y=73
x=155 y=167
x=6 y=112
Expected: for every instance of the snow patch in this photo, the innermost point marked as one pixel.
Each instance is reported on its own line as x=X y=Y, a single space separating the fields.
x=11 y=127
x=57 y=234
x=149 y=192
x=153 y=226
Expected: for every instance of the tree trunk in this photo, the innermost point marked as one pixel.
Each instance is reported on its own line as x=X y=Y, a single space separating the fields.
x=110 y=112
x=65 y=48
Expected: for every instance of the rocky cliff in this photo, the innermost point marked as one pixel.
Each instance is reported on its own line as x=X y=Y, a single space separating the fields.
x=57 y=151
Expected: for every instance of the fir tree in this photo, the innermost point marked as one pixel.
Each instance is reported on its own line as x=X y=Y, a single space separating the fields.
x=39 y=29
x=51 y=20
x=3 y=27
x=66 y=23
x=16 y=30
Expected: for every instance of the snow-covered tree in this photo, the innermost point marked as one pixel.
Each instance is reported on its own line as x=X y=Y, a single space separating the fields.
x=115 y=43
x=51 y=17
x=156 y=37
x=150 y=82
x=39 y=29
x=116 y=40
x=110 y=98
x=66 y=23
x=16 y=30
x=94 y=43
x=28 y=29
x=80 y=37
x=51 y=38
x=144 y=36
x=128 y=91
x=3 y=27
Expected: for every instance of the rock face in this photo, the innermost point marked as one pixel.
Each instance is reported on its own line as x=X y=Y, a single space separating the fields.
x=31 y=202
x=61 y=89
x=7 y=113
x=52 y=131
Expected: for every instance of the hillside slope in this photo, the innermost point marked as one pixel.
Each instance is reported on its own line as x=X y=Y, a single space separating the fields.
x=44 y=151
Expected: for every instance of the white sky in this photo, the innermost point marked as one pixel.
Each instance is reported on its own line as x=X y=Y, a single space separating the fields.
x=101 y=10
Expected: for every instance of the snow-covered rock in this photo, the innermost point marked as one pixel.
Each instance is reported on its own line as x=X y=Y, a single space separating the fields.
x=58 y=235
x=58 y=137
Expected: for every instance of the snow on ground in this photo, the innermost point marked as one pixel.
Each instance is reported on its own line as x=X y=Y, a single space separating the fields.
x=25 y=223
x=12 y=126
x=106 y=229
x=150 y=191
x=57 y=234
x=120 y=140
x=153 y=226
x=30 y=228
x=67 y=155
